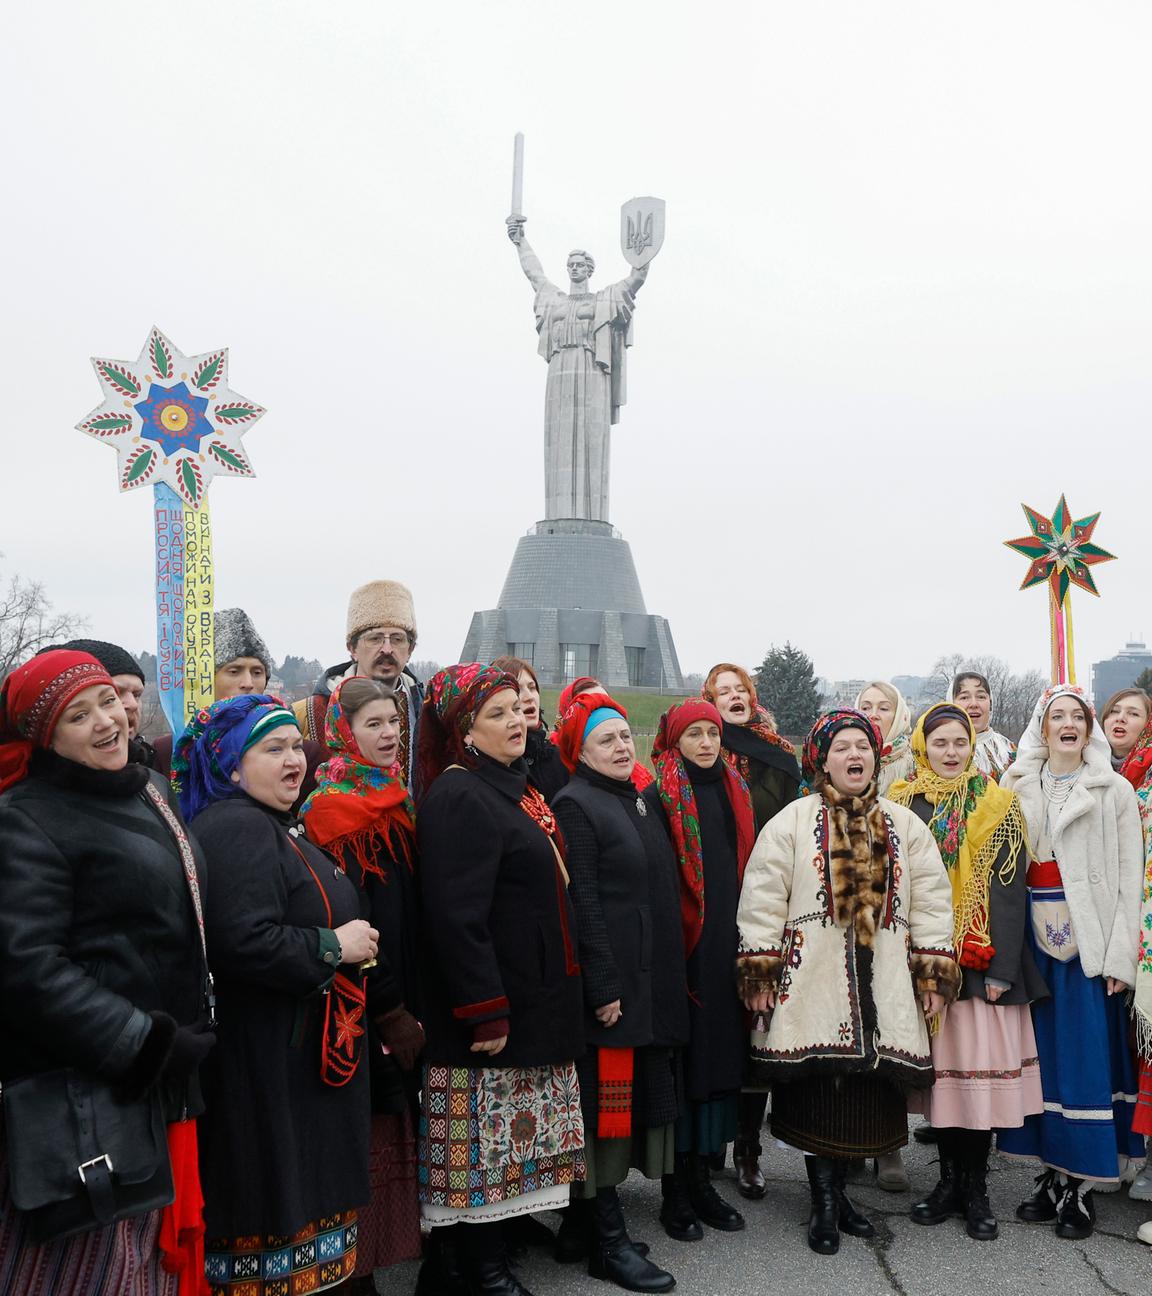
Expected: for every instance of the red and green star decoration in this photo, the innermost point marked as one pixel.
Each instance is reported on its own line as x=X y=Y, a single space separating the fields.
x=1061 y=551
x=172 y=418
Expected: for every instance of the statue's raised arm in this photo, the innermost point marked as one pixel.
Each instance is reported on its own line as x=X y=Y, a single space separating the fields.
x=529 y=261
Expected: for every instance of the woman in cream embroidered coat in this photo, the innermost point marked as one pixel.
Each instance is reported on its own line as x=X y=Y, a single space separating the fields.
x=846 y=934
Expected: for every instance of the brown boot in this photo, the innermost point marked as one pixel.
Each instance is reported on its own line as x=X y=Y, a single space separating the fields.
x=749 y=1177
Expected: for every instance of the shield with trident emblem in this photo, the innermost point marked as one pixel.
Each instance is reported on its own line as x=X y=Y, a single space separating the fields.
x=641 y=230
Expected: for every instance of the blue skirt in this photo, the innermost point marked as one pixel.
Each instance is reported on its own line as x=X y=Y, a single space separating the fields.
x=1087 y=1074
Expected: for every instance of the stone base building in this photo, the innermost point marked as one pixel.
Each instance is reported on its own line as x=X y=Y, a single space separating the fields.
x=571 y=605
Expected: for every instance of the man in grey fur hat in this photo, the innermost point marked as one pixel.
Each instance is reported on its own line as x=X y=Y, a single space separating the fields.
x=380 y=636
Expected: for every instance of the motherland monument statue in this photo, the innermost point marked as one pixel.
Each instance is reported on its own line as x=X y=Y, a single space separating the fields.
x=583 y=339
x=571 y=603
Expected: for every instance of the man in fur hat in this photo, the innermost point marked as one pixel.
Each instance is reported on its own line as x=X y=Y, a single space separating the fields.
x=380 y=637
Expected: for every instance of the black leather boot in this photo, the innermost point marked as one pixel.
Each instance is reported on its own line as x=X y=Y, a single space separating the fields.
x=824 y=1222
x=980 y=1223
x=706 y=1201
x=1043 y=1205
x=677 y=1213
x=614 y=1256
x=487 y=1262
x=1077 y=1213
x=947 y=1198
x=848 y=1217
x=442 y=1269
x=524 y=1231
x=572 y=1237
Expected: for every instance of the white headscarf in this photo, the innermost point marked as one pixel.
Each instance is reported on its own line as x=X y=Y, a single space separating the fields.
x=1033 y=736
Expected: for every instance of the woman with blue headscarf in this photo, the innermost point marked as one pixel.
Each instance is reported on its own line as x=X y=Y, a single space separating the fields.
x=284 y=1147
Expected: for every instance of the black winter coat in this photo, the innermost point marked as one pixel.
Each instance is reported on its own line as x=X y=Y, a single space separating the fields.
x=626 y=894
x=545 y=768
x=97 y=927
x=500 y=934
x=718 y=1043
x=279 y=1148
x=772 y=774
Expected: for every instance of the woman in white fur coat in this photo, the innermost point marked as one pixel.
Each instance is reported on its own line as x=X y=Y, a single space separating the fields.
x=846 y=937
x=1084 y=888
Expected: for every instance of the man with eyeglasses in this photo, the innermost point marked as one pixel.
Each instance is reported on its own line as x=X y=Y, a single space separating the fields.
x=381 y=633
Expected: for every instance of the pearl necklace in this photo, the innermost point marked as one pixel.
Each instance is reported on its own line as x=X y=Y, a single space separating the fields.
x=1057 y=788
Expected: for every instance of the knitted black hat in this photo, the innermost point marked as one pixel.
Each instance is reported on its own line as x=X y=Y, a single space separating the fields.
x=114 y=659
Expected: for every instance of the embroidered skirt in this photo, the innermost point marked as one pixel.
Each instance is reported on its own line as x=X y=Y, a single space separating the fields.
x=388 y=1228
x=840 y=1116
x=987 y=1069
x=320 y=1256
x=1088 y=1076
x=498 y=1141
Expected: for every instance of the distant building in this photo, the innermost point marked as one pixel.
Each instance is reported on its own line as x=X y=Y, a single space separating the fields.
x=1119 y=672
x=918 y=690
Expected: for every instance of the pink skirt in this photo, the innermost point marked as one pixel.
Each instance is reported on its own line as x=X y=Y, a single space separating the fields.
x=987 y=1068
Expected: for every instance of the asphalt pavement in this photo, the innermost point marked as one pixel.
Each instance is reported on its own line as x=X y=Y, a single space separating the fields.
x=771 y=1255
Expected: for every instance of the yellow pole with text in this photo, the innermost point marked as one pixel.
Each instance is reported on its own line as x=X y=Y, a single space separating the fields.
x=199 y=621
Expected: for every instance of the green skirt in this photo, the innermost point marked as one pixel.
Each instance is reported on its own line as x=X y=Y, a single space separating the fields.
x=608 y=1161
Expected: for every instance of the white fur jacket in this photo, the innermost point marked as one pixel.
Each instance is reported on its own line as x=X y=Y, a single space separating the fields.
x=848 y=938
x=1099 y=846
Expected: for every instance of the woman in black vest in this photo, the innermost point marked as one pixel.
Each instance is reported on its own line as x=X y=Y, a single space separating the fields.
x=625 y=891
x=501 y=1132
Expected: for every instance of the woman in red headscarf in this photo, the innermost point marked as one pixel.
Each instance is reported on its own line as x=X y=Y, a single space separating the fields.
x=707 y=809
x=501 y=1131
x=101 y=959
x=361 y=812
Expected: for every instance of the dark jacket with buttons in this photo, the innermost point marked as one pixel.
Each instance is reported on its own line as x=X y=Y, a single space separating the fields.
x=626 y=892
x=279 y=1147
x=499 y=931
x=97 y=928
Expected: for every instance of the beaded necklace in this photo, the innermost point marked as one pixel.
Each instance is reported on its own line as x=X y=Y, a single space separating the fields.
x=1057 y=788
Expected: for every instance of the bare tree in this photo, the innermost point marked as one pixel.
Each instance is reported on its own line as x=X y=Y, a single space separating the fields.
x=423 y=669
x=1013 y=696
x=1014 y=704
x=27 y=622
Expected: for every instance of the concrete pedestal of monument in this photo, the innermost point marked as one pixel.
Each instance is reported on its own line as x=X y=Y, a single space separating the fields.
x=571 y=605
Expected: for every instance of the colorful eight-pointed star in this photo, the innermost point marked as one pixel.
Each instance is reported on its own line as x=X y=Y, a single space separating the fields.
x=172 y=418
x=1061 y=551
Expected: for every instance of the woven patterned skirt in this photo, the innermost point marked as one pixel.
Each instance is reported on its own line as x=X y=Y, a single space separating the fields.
x=498 y=1141
x=388 y=1228
x=840 y=1116
x=320 y=1256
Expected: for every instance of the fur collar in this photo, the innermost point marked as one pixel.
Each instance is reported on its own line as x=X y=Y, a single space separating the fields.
x=857 y=859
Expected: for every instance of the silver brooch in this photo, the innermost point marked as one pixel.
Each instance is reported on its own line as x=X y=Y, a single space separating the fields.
x=643 y=809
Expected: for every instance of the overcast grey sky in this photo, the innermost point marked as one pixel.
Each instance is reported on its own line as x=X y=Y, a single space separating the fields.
x=906 y=286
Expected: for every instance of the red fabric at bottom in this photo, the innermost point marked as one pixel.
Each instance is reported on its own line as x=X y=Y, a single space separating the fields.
x=1142 y=1119
x=181 y=1238
x=614 y=1100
